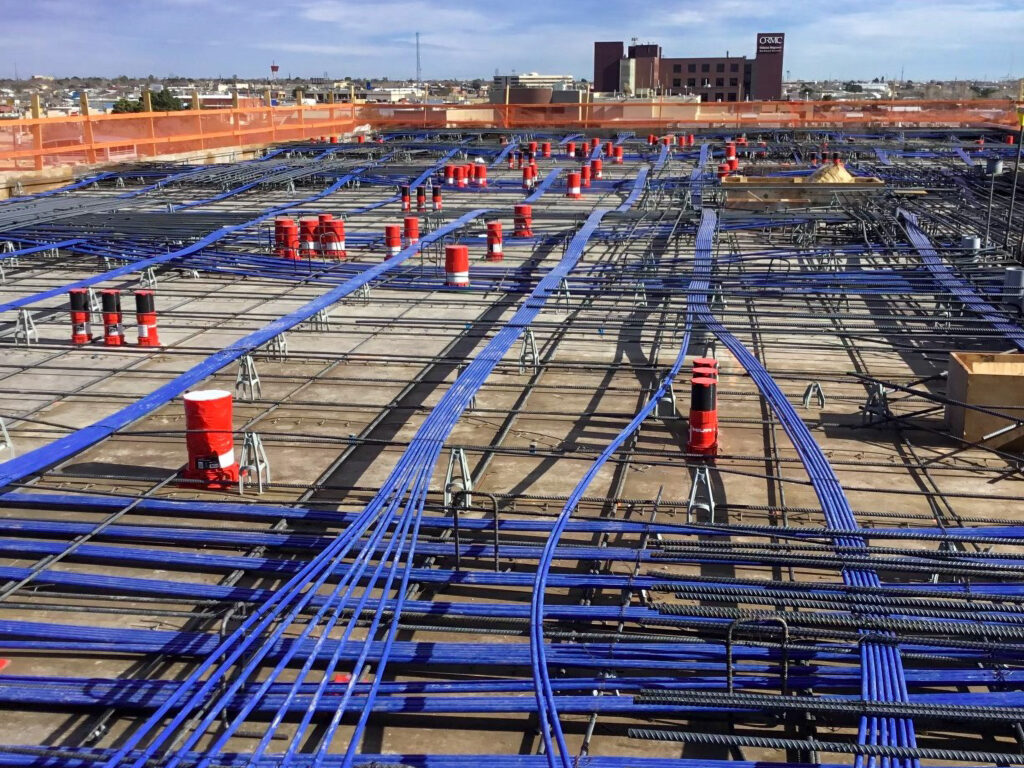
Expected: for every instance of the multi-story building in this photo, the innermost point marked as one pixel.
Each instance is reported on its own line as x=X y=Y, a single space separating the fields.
x=534 y=80
x=643 y=69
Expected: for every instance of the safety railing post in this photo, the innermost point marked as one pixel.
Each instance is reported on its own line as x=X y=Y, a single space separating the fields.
x=151 y=124
x=37 y=133
x=87 y=132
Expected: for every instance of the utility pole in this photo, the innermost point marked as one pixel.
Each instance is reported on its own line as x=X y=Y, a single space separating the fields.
x=419 y=71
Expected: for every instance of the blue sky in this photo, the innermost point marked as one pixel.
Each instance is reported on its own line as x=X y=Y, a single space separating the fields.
x=856 y=39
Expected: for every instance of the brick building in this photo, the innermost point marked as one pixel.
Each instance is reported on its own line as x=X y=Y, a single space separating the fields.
x=641 y=68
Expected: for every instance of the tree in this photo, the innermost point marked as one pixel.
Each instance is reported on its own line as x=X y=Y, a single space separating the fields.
x=477 y=84
x=123 y=105
x=165 y=101
x=162 y=101
x=983 y=92
x=852 y=87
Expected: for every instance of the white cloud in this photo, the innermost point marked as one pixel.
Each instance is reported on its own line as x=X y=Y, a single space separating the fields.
x=471 y=38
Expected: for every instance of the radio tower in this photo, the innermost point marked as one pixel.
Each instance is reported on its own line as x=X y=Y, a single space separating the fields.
x=419 y=72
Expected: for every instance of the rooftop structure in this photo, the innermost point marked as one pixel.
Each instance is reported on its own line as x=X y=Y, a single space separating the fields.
x=533 y=80
x=642 y=69
x=460 y=447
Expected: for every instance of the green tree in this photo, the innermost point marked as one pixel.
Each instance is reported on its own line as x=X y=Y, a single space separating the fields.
x=165 y=101
x=983 y=92
x=123 y=105
x=852 y=87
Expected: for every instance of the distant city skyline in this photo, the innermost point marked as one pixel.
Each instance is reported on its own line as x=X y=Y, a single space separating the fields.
x=913 y=39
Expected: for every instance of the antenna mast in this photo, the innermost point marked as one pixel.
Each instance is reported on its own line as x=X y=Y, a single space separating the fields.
x=419 y=71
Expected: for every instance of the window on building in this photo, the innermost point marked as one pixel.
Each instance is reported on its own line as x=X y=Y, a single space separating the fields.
x=718 y=97
x=719 y=67
x=732 y=96
x=676 y=82
x=705 y=82
x=734 y=81
x=734 y=67
x=719 y=81
x=691 y=67
x=691 y=82
x=677 y=67
x=705 y=67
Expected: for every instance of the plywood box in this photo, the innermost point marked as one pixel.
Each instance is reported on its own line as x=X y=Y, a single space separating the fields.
x=773 y=192
x=993 y=380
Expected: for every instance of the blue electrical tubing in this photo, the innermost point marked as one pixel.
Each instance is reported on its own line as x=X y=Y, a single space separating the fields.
x=883 y=671
x=146 y=695
x=697 y=177
x=61 y=190
x=547 y=706
x=141 y=556
x=166 y=257
x=544 y=186
x=213 y=237
x=884 y=730
x=407 y=476
x=968 y=160
x=251 y=511
x=638 y=188
x=12 y=756
x=505 y=152
x=700 y=656
x=39 y=248
x=36 y=460
x=231 y=192
x=102 y=584
x=957 y=286
x=121 y=693
x=137 y=556
x=663 y=154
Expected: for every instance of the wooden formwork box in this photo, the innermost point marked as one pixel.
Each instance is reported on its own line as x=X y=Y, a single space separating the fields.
x=993 y=380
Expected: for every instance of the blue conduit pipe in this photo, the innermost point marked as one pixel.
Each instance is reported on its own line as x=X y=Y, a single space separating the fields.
x=544 y=186
x=955 y=285
x=400 y=502
x=547 y=706
x=40 y=458
x=882 y=669
x=216 y=236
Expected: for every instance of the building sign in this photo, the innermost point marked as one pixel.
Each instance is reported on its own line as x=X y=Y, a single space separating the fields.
x=770 y=42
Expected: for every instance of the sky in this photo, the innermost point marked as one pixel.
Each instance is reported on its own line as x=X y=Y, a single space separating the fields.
x=855 y=39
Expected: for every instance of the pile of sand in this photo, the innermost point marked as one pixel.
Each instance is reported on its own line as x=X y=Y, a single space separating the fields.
x=832 y=174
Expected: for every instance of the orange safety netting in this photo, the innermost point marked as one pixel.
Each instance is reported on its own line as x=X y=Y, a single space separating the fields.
x=39 y=143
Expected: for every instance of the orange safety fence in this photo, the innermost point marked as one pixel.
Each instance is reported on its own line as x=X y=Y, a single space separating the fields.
x=99 y=138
